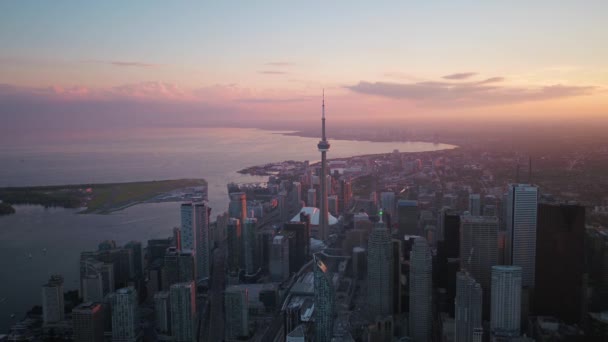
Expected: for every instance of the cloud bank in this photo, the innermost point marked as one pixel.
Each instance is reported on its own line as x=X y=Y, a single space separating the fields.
x=486 y=92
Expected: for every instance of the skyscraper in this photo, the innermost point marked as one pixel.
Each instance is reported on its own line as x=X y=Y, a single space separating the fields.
x=387 y=200
x=136 y=251
x=421 y=285
x=236 y=309
x=407 y=214
x=506 y=300
x=521 y=230
x=323 y=147
x=475 y=204
x=380 y=272
x=233 y=237
x=202 y=214
x=87 y=321
x=311 y=199
x=183 y=312
x=248 y=242
x=162 y=312
x=237 y=208
x=479 y=250
x=467 y=307
x=279 y=258
x=187 y=230
x=52 y=300
x=560 y=261
x=325 y=298
x=125 y=318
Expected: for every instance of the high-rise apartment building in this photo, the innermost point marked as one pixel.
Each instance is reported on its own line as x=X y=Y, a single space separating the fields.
x=380 y=272
x=52 y=300
x=521 y=220
x=183 y=312
x=421 y=286
x=506 y=301
x=125 y=318
x=204 y=245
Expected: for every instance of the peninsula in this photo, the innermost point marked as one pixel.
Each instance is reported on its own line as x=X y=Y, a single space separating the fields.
x=104 y=198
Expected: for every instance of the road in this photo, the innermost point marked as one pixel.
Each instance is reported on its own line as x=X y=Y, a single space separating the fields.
x=213 y=324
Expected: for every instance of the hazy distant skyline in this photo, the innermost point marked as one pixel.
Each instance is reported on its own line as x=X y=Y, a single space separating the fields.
x=181 y=62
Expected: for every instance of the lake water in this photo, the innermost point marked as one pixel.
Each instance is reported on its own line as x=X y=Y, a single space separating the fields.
x=147 y=154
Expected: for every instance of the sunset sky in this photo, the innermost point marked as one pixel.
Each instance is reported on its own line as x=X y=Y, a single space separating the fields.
x=194 y=62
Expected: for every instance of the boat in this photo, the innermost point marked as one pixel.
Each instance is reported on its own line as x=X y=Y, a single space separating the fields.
x=12 y=315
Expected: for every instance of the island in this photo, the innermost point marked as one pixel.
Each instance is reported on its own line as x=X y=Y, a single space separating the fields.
x=103 y=198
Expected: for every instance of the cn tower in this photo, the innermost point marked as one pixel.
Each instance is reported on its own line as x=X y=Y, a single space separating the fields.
x=323 y=147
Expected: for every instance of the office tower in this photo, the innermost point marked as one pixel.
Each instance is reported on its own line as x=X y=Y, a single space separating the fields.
x=311 y=199
x=300 y=248
x=397 y=285
x=279 y=258
x=87 y=321
x=135 y=247
x=186 y=269
x=387 y=200
x=451 y=233
x=248 y=241
x=183 y=312
x=233 y=236
x=421 y=285
x=52 y=300
x=125 y=320
x=467 y=307
x=202 y=215
x=92 y=288
x=560 y=261
x=323 y=147
x=479 y=250
x=475 y=204
x=325 y=298
x=237 y=208
x=236 y=309
x=170 y=270
x=380 y=272
x=162 y=312
x=157 y=247
x=506 y=300
x=407 y=214
x=521 y=230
